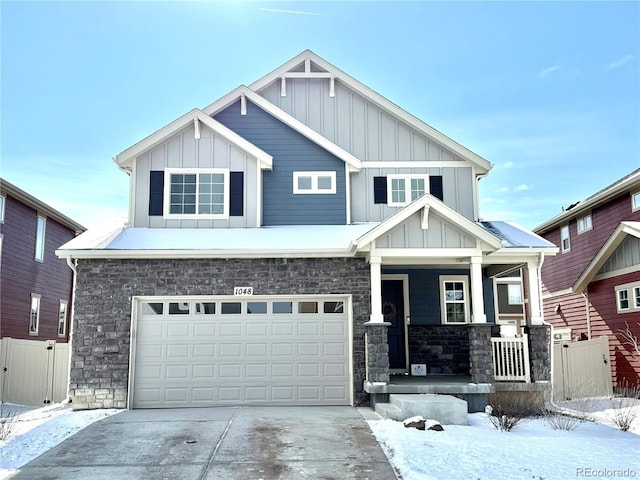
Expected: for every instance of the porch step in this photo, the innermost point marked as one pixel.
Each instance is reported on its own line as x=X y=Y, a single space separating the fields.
x=446 y=409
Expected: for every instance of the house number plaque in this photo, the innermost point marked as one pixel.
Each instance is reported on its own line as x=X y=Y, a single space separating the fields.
x=242 y=291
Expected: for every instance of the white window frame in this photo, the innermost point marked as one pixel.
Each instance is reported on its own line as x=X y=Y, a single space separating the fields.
x=585 y=223
x=464 y=279
x=314 y=183
x=40 y=238
x=407 y=187
x=565 y=235
x=3 y=202
x=631 y=292
x=63 y=309
x=34 y=327
x=635 y=201
x=195 y=171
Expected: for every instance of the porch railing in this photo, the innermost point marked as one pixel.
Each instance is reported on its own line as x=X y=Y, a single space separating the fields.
x=511 y=359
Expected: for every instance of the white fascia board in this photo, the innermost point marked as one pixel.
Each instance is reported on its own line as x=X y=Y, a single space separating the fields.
x=616 y=238
x=374 y=97
x=224 y=102
x=169 y=254
x=631 y=183
x=126 y=157
x=436 y=205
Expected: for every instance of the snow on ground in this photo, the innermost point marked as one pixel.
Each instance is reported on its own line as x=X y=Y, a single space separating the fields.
x=34 y=431
x=532 y=450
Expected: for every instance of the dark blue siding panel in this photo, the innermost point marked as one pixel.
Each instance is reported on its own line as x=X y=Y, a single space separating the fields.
x=291 y=152
x=424 y=294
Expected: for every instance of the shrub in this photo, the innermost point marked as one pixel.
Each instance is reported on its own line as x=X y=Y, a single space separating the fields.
x=510 y=408
x=625 y=407
x=7 y=422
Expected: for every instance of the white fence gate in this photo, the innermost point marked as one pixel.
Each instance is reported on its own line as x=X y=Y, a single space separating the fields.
x=582 y=369
x=33 y=372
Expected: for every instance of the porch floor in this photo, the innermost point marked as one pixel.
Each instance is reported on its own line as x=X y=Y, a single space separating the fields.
x=447 y=384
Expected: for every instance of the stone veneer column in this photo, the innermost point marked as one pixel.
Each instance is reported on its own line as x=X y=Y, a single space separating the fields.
x=480 y=354
x=539 y=353
x=377 y=351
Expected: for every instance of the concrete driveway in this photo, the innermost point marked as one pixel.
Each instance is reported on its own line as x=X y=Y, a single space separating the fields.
x=246 y=443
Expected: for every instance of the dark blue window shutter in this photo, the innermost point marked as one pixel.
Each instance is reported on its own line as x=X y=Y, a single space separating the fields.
x=435 y=186
x=236 y=194
x=156 y=192
x=379 y=189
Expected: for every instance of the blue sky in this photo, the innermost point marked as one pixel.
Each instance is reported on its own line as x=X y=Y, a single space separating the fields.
x=549 y=92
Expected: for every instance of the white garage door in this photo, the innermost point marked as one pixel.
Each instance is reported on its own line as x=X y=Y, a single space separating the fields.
x=257 y=351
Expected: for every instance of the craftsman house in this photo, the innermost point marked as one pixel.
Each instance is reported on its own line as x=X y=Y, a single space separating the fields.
x=35 y=298
x=592 y=287
x=301 y=241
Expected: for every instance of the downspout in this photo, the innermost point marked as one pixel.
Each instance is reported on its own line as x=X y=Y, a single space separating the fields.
x=73 y=265
x=544 y=322
x=587 y=310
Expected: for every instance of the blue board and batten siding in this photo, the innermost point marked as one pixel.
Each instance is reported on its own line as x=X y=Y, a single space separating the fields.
x=291 y=152
x=424 y=293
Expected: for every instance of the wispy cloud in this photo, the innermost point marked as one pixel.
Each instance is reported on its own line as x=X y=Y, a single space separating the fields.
x=508 y=165
x=619 y=62
x=503 y=190
x=292 y=12
x=522 y=187
x=543 y=74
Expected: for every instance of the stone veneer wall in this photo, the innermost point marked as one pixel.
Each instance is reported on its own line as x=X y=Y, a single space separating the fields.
x=539 y=354
x=105 y=287
x=443 y=348
x=480 y=352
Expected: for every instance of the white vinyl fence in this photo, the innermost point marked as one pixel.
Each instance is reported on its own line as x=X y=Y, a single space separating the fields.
x=33 y=372
x=511 y=359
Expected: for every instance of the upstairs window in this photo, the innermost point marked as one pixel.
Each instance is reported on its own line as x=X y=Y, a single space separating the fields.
x=635 y=201
x=62 y=318
x=628 y=297
x=584 y=224
x=2 y=202
x=34 y=314
x=404 y=189
x=565 y=241
x=314 y=182
x=196 y=193
x=40 y=232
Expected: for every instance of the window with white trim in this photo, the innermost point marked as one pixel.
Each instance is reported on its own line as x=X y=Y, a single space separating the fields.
x=34 y=314
x=565 y=240
x=3 y=200
x=62 y=318
x=40 y=236
x=635 y=201
x=314 y=182
x=584 y=224
x=628 y=297
x=454 y=299
x=202 y=193
x=404 y=189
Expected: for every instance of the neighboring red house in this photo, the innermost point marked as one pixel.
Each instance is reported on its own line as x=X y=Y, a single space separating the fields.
x=592 y=287
x=35 y=285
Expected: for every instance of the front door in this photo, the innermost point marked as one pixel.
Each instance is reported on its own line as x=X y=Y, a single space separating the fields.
x=393 y=311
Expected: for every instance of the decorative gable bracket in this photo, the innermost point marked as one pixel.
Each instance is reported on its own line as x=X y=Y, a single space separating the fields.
x=424 y=224
x=308 y=73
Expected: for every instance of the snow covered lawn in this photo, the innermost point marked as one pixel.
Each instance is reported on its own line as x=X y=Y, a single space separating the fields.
x=533 y=450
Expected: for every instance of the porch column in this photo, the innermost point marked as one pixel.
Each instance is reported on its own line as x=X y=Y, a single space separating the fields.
x=477 y=297
x=533 y=285
x=376 y=291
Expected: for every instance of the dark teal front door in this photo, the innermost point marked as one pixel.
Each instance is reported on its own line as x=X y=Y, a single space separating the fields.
x=393 y=311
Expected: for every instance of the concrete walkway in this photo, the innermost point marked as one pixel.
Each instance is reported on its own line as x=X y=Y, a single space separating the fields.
x=220 y=443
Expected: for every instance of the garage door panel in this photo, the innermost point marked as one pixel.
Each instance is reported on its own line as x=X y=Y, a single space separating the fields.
x=258 y=352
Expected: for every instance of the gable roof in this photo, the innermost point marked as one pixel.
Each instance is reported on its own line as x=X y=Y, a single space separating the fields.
x=7 y=188
x=273 y=110
x=616 y=238
x=125 y=158
x=628 y=182
x=428 y=201
x=324 y=69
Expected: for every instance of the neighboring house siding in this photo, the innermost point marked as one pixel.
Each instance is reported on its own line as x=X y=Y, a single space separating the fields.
x=457 y=186
x=625 y=367
x=100 y=356
x=291 y=152
x=441 y=233
x=626 y=255
x=353 y=123
x=184 y=151
x=568 y=311
x=21 y=275
x=561 y=271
